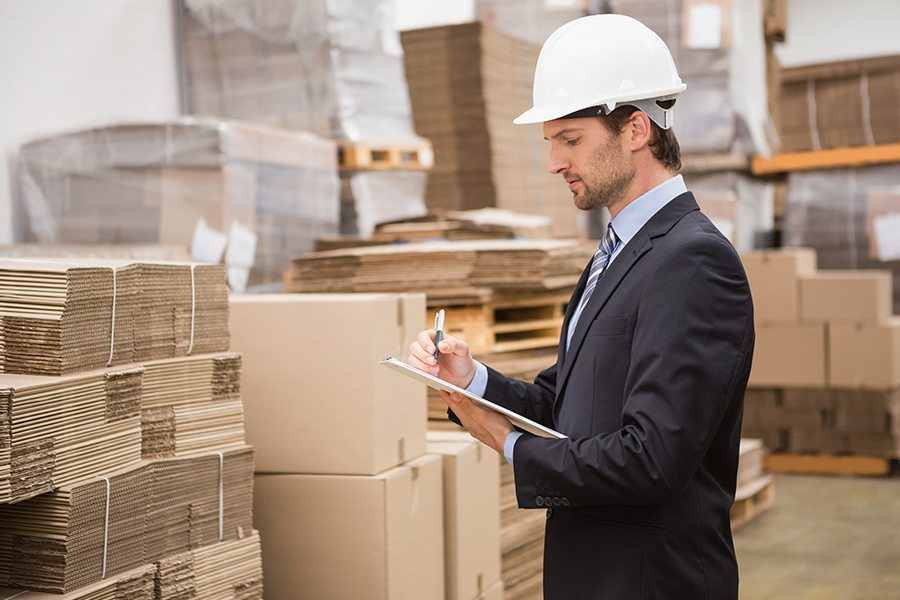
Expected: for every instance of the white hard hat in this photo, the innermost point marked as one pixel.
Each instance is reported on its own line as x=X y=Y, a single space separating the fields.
x=603 y=61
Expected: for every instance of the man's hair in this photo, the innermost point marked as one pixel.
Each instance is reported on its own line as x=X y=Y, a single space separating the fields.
x=663 y=143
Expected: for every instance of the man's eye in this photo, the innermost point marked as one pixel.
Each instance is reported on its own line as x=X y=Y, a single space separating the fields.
x=572 y=142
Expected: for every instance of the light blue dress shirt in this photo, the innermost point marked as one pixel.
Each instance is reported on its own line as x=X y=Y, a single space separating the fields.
x=626 y=224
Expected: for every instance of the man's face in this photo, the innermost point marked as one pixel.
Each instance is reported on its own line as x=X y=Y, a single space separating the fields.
x=594 y=163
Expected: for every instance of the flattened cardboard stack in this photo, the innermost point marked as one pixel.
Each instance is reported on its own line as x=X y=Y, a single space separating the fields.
x=231 y=569
x=837 y=104
x=521 y=541
x=481 y=158
x=191 y=404
x=826 y=369
x=471 y=533
x=137 y=584
x=57 y=430
x=102 y=526
x=344 y=499
x=79 y=508
x=67 y=316
x=442 y=269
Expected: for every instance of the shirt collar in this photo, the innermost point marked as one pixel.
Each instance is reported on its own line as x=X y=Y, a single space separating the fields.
x=634 y=216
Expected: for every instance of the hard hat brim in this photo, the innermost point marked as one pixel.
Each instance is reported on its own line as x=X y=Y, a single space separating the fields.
x=536 y=115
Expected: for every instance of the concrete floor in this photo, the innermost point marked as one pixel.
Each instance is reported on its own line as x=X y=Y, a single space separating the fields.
x=826 y=538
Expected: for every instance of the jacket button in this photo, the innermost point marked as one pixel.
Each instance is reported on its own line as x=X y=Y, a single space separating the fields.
x=556 y=502
x=539 y=501
x=565 y=502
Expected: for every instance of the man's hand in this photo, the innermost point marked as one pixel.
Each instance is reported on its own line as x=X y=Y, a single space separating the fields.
x=455 y=363
x=488 y=427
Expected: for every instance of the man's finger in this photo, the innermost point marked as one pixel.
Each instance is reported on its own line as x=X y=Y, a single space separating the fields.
x=453 y=345
x=417 y=351
x=426 y=340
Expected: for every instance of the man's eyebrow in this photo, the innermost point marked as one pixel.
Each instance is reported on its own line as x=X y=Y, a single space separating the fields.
x=563 y=132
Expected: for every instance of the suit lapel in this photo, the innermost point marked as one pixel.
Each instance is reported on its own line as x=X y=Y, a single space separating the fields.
x=570 y=308
x=607 y=284
x=640 y=244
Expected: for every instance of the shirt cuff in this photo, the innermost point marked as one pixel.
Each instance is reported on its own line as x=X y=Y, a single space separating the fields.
x=510 y=444
x=479 y=382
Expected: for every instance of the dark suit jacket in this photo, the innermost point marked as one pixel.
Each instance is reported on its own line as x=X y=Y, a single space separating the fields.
x=650 y=395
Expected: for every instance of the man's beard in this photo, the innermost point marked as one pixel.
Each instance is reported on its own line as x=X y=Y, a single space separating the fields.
x=606 y=179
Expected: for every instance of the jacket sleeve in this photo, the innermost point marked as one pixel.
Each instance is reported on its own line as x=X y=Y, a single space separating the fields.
x=531 y=400
x=693 y=332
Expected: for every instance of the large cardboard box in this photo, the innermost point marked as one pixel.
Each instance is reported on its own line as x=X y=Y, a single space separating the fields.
x=315 y=398
x=471 y=514
x=774 y=282
x=495 y=592
x=348 y=537
x=864 y=355
x=789 y=356
x=846 y=295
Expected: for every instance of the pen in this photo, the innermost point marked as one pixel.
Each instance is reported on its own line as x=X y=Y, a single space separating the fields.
x=438 y=331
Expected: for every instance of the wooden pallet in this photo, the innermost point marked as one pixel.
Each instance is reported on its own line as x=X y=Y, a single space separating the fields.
x=508 y=324
x=835 y=158
x=360 y=156
x=752 y=500
x=828 y=464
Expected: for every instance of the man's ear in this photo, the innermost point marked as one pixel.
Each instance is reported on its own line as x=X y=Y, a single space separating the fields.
x=639 y=129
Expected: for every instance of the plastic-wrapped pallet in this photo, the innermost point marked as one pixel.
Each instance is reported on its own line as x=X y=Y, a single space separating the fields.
x=274 y=192
x=719 y=49
x=850 y=216
x=739 y=205
x=333 y=67
x=529 y=20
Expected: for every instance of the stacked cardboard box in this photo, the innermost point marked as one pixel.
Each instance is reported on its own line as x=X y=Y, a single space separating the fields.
x=471 y=528
x=849 y=216
x=170 y=182
x=826 y=368
x=467 y=82
x=345 y=498
x=230 y=569
x=832 y=105
x=79 y=507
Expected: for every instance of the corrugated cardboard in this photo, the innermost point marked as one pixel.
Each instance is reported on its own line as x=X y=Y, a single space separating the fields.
x=471 y=518
x=344 y=537
x=137 y=584
x=864 y=355
x=789 y=356
x=846 y=295
x=774 y=282
x=315 y=398
x=495 y=592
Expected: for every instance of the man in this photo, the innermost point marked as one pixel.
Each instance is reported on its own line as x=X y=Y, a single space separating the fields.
x=655 y=349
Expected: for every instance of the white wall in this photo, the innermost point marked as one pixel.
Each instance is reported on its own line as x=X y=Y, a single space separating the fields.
x=66 y=64
x=828 y=30
x=414 y=14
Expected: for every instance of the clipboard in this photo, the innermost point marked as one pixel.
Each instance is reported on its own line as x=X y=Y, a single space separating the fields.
x=439 y=384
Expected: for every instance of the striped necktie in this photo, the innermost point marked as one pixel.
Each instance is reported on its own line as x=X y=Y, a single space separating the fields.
x=601 y=260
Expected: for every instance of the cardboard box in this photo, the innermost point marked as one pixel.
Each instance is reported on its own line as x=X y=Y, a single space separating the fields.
x=846 y=295
x=471 y=515
x=774 y=282
x=495 y=592
x=345 y=537
x=864 y=355
x=789 y=356
x=315 y=398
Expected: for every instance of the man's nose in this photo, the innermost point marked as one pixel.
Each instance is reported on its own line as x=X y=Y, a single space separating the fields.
x=557 y=163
